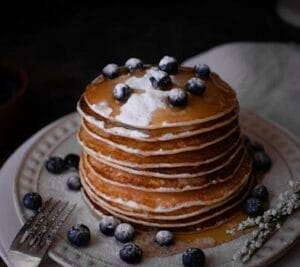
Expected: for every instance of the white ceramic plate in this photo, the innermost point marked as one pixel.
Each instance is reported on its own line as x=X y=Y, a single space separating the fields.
x=103 y=251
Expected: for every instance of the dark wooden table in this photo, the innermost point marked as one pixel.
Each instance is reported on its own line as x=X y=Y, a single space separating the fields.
x=63 y=45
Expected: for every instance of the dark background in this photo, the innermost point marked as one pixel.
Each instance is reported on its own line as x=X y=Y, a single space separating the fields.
x=63 y=44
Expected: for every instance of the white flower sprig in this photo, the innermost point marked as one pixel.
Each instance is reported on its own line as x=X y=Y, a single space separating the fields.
x=268 y=223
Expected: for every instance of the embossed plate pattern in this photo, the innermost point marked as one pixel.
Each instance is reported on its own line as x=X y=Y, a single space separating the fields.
x=103 y=251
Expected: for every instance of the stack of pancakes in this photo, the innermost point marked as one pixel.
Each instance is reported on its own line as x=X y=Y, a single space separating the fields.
x=153 y=164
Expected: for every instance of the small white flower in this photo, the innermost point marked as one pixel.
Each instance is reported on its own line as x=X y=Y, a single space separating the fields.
x=258 y=219
x=244 y=250
x=258 y=244
x=291 y=183
x=273 y=212
x=246 y=258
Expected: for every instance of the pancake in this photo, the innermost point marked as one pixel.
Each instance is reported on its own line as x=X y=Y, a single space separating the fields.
x=156 y=164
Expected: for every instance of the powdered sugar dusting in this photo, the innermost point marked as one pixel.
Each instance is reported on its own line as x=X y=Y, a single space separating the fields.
x=116 y=130
x=102 y=108
x=133 y=63
x=139 y=108
x=166 y=60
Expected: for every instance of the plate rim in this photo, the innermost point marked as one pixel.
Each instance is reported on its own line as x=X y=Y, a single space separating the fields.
x=275 y=255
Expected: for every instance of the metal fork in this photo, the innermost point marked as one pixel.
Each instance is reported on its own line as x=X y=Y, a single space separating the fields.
x=37 y=234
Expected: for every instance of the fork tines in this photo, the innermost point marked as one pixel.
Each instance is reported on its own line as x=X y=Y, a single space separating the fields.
x=37 y=234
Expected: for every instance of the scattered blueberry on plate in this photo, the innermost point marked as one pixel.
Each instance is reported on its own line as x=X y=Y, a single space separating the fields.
x=160 y=80
x=253 y=207
x=202 y=70
x=79 y=235
x=255 y=146
x=124 y=232
x=121 y=92
x=110 y=71
x=32 y=201
x=108 y=225
x=72 y=161
x=193 y=257
x=74 y=183
x=262 y=162
x=177 y=97
x=164 y=238
x=195 y=86
x=131 y=253
x=260 y=192
x=55 y=165
x=168 y=64
x=133 y=64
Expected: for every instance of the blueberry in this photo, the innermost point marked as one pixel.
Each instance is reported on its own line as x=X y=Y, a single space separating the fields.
x=252 y=146
x=253 y=207
x=74 y=183
x=195 y=86
x=131 y=253
x=121 y=92
x=108 y=225
x=260 y=192
x=202 y=70
x=262 y=162
x=133 y=64
x=168 y=64
x=255 y=146
x=110 y=71
x=193 y=257
x=55 y=165
x=177 y=97
x=160 y=79
x=247 y=141
x=79 y=235
x=72 y=161
x=164 y=238
x=124 y=232
x=32 y=201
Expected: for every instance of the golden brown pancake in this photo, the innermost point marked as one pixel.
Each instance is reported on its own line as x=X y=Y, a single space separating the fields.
x=154 y=164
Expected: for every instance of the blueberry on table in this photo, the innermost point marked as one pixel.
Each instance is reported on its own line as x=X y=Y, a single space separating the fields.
x=193 y=257
x=79 y=235
x=164 y=238
x=108 y=225
x=55 y=165
x=202 y=70
x=160 y=80
x=74 y=183
x=110 y=71
x=260 y=192
x=32 y=201
x=121 y=92
x=177 y=97
x=253 y=207
x=262 y=162
x=133 y=64
x=131 y=253
x=124 y=232
x=168 y=64
x=72 y=161
x=195 y=86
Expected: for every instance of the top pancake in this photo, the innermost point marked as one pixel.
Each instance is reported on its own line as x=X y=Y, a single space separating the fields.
x=147 y=108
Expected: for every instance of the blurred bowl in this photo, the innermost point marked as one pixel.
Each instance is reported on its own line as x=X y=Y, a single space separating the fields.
x=13 y=87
